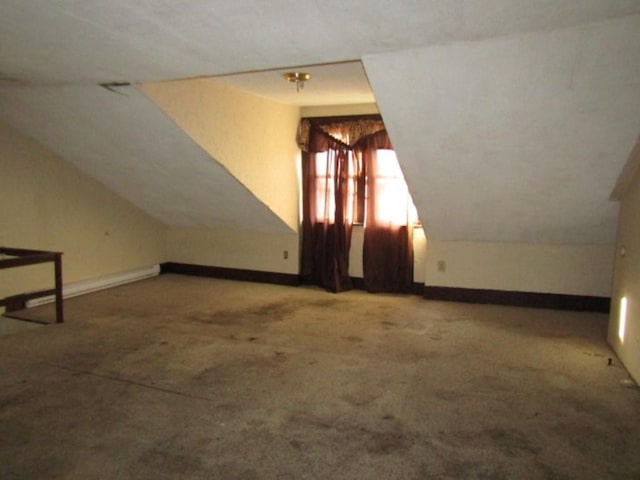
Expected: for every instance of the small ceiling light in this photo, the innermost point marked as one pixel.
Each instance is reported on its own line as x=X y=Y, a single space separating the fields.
x=298 y=78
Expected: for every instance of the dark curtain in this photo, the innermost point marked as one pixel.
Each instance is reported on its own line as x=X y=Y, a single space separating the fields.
x=388 y=245
x=328 y=203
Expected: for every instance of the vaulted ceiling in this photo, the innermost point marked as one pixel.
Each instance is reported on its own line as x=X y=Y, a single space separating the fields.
x=511 y=119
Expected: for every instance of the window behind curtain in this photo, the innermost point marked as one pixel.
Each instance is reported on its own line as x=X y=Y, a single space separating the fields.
x=395 y=205
x=325 y=200
x=387 y=245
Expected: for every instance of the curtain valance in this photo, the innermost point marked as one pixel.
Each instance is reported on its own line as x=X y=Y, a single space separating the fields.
x=348 y=131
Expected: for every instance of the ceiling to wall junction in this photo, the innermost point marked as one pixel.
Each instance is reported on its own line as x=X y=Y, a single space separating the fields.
x=511 y=119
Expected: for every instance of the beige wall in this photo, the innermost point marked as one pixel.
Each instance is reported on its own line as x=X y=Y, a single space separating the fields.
x=247 y=249
x=563 y=269
x=49 y=204
x=244 y=249
x=55 y=206
x=253 y=137
x=627 y=280
x=337 y=110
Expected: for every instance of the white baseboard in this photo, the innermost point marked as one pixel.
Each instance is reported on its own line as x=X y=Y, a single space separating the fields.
x=100 y=283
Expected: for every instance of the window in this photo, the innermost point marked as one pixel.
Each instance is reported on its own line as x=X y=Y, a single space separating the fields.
x=338 y=186
x=394 y=205
x=325 y=195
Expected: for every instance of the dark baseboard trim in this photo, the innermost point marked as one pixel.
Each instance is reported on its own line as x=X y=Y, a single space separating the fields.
x=448 y=294
x=415 y=289
x=519 y=299
x=230 y=273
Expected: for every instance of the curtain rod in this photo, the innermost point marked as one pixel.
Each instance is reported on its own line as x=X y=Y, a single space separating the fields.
x=341 y=118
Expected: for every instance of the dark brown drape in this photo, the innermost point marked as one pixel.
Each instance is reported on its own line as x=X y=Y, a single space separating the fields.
x=328 y=203
x=388 y=245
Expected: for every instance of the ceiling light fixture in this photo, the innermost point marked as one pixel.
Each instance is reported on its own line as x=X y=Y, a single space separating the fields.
x=298 y=78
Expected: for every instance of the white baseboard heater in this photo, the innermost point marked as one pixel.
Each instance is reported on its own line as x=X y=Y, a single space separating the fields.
x=101 y=283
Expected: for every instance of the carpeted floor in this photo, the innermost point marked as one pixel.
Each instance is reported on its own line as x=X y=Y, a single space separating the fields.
x=181 y=377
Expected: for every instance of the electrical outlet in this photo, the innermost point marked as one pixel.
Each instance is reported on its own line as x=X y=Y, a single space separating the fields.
x=442 y=266
x=286 y=254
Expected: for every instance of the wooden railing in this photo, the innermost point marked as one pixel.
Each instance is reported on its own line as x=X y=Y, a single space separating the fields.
x=20 y=257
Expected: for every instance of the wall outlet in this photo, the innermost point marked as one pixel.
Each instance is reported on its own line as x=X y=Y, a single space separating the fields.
x=442 y=266
x=285 y=255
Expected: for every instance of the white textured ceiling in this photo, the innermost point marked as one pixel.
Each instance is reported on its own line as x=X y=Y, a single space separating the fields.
x=91 y=41
x=510 y=123
x=519 y=138
x=333 y=84
x=123 y=140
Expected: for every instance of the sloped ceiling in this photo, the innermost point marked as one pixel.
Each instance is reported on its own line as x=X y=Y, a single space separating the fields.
x=503 y=65
x=67 y=41
x=519 y=138
x=122 y=139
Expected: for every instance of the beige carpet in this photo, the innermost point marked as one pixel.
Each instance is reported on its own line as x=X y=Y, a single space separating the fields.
x=42 y=316
x=179 y=377
x=10 y=325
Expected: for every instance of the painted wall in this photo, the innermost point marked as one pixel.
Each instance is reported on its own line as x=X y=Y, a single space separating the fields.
x=243 y=249
x=627 y=280
x=48 y=204
x=563 y=269
x=338 y=110
x=252 y=137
